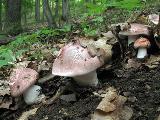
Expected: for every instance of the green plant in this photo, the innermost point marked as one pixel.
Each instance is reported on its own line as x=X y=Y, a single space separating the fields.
x=90 y=32
x=124 y=4
x=92 y=26
x=50 y=34
x=14 y=50
x=6 y=57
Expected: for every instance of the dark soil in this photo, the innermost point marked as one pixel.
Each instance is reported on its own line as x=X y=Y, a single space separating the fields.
x=142 y=87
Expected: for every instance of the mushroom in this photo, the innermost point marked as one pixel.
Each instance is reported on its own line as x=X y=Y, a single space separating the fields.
x=134 y=32
x=22 y=81
x=142 y=44
x=154 y=18
x=75 y=61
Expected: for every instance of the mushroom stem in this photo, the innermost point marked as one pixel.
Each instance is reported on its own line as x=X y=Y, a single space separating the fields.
x=33 y=95
x=89 y=79
x=142 y=52
x=131 y=39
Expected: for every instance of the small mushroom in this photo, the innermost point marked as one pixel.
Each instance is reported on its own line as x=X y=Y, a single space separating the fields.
x=134 y=31
x=75 y=61
x=22 y=81
x=142 y=44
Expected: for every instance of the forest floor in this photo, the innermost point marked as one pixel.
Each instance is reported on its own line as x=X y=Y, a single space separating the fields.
x=140 y=85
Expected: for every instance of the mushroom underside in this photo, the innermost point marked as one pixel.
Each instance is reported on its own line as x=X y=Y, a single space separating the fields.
x=87 y=79
x=132 y=38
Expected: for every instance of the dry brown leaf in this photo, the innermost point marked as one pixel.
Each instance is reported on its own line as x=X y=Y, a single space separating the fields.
x=112 y=107
x=23 y=64
x=5 y=101
x=44 y=65
x=106 y=106
x=153 y=61
x=158 y=117
x=48 y=54
x=132 y=63
x=26 y=114
x=5 y=98
x=4 y=87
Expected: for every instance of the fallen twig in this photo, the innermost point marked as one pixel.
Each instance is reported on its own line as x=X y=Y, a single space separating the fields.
x=46 y=78
x=56 y=96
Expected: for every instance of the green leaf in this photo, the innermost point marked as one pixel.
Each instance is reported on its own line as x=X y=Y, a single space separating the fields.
x=98 y=19
x=6 y=57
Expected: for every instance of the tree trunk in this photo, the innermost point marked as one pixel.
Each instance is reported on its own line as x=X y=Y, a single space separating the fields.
x=37 y=10
x=65 y=10
x=43 y=14
x=13 y=17
x=48 y=14
x=25 y=18
x=94 y=1
x=0 y=15
x=88 y=1
x=57 y=8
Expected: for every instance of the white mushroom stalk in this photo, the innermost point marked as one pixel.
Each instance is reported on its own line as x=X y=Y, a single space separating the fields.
x=142 y=44
x=87 y=79
x=142 y=52
x=33 y=95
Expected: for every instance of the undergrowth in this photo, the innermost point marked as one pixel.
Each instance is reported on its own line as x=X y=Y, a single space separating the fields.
x=91 y=23
x=93 y=20
x=23 y=43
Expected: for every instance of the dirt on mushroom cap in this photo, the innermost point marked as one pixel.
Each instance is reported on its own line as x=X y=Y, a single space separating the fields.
x=74 y=60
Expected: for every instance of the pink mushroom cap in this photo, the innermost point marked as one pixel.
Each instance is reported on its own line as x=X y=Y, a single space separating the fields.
x=21 y=79
x=142 y=42
x=74 y=60
x=136 y=29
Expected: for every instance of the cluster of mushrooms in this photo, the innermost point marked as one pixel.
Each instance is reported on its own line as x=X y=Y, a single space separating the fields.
x=80 y=59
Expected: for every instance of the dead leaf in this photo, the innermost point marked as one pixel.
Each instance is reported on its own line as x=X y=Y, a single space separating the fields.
x=112 y=107
x=5 y=101
x=26 y=114
x=158 y=117
x=4 y=87
x=44 y=65
x=132 y=63
x=48 y=54
x=153 y=61
x=23 y=64
x=122 y=26
x=106 y=106
x=18 y=102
